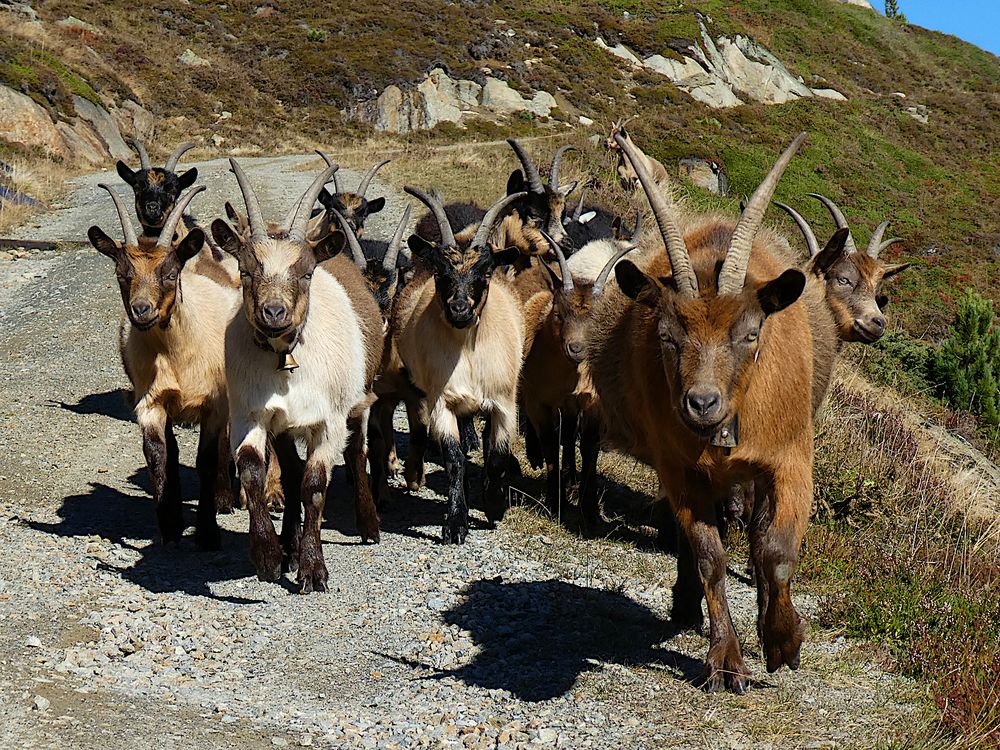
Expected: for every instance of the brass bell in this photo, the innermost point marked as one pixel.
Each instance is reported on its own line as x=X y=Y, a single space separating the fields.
x=287 y=362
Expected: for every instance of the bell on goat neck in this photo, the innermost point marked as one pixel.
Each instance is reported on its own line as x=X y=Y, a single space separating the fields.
x=287 y=362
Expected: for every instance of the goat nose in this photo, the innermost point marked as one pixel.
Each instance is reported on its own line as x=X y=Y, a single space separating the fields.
x=141 y=309
x=152 y=208
x=575 y=348
x=459 y=306
x=877 y=323
x=274 y=313
x=702 y=403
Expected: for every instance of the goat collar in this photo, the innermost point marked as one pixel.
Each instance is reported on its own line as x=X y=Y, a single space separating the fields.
x=282 y=347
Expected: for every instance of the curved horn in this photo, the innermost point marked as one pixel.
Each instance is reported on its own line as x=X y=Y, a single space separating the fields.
x=166 y=238
x=838 y=217
x=299 y=225
x=733 y=274
x=602 y=277
x=684 y=278
x=804 y=227
x=286 y=223
x=530 y=170
x=128 y=228
x=874 y=244
x=887 y=243
x=357 y=254
x=258 y=229
x=567 y=277
x=392 y=254
x=324 y=157
x=366 y=181
x=435 y=205
x=578 y=211
x=175 y=157
x=137 y=146
x=483 y=233
x=554 y=169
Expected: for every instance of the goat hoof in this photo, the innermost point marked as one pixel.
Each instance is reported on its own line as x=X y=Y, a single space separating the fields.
x=208 y=537
x=724 y=668
x=312 y=573
x=224 y=502
x=266 y=560
x=171 y=523
x=455 y=532
x=368 y=530
x=275 y=503
x=782 y=637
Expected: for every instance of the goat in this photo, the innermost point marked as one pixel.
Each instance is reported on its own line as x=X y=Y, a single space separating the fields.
x=703 y=363
x=355 y=207
x=551 y=393
x=627 y=174
x=156 y=188
x=323 y=313
x=171 y=345
x=587 y=224
x=460 y=334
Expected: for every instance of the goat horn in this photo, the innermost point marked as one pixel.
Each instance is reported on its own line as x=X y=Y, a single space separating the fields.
x=128 y=229
x=530 y=170
x=602 y=277
x=137 y=146
x=363 y=187
x=392 y=254
x=638 y=226
x=299 y=226
x=258 y=229
x=578 y=211
x=554 y=169
x=888 y=242
x=567 y=277
x=167 y=233
x=684 y=277
x=357 y=254
x=324 y=157
x=483 y=233
x=286 y=223
x=175 y=157
x=804 y=227
x=435 y=205
x=874 y=244
x=838 y=217
x=733 y=274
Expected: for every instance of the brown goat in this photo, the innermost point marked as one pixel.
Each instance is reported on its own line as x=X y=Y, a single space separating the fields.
x=355 y=207
x=171 y=344
x=703 y=364
x=626 y=172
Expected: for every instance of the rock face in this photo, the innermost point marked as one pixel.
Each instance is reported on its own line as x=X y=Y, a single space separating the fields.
x=705 y=173
x=25 y=122
x=724 y=72
x=440 y=98
x=104 y=125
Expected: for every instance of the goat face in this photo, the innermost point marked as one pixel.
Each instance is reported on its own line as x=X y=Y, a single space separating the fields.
x=709 y=343
x=461 y=277
x=355 y=208
x=570 y=314
x=276 y=276
x=539 y=212
x=148 y=276
x=854 y=282
x=156 y=192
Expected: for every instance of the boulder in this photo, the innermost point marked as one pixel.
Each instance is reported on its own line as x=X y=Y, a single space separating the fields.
x=104 y=126
x=705 y=173
x=26 y=123
x=501 y=98
x=135 y=120
x=191 y=59
x=919 y=112
x=757 y=74
x=82 y=148
x=541 y=104
x=859 y=3
x=620 y=50
x=437 y=100
x=21 y=9
x=829 y=94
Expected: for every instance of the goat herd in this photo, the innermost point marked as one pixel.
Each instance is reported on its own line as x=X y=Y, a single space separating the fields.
x=705 y=355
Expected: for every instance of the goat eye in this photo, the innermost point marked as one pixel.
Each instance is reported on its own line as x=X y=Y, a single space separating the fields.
x=307 y=276
x=172 y=275
x=844 y=281
x=752 y=336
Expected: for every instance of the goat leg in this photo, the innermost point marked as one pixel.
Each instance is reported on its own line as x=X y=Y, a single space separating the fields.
x=325 y=447
x=286 y=455
x=274 y=492
x=224 y=496
x=166 y=495
x=365 y=514
x=497 y=456
x=589 y=446
x=414 y=472
x=206 y=531
x=251 y=461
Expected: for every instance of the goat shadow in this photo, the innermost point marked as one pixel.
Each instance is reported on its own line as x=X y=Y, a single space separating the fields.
x=113 y=404
x=128 y=519
x=537 y=638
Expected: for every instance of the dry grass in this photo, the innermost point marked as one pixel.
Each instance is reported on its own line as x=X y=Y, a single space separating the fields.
x=41 y=179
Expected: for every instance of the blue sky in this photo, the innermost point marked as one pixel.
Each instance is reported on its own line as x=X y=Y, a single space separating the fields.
x=976 y=21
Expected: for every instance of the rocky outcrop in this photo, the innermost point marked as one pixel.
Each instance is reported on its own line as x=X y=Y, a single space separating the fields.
x=104 y=126
x=724 y=72
x=440 y=98
x=859 y=3
x=705 y=173
x=25 y=122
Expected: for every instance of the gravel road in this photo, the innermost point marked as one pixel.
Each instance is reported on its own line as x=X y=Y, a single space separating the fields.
x=524 y=637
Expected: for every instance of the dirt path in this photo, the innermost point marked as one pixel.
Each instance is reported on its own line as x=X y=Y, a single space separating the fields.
x=524 y=637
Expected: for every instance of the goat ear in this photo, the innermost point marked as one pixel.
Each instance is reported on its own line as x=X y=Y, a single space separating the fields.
x=374 y=206
x=187 y=179
x=779 y=293
x=505 y=257
x=636 y=285
x=617 y=228
x=893 y=270
x=834 y=251
x=421 y=247
x=125 y=173
x=515 y=183
x=325 y=198
x=104 y=244
x=191 y=245
x=330 y=246
x=226 y=237
x=565 y=190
